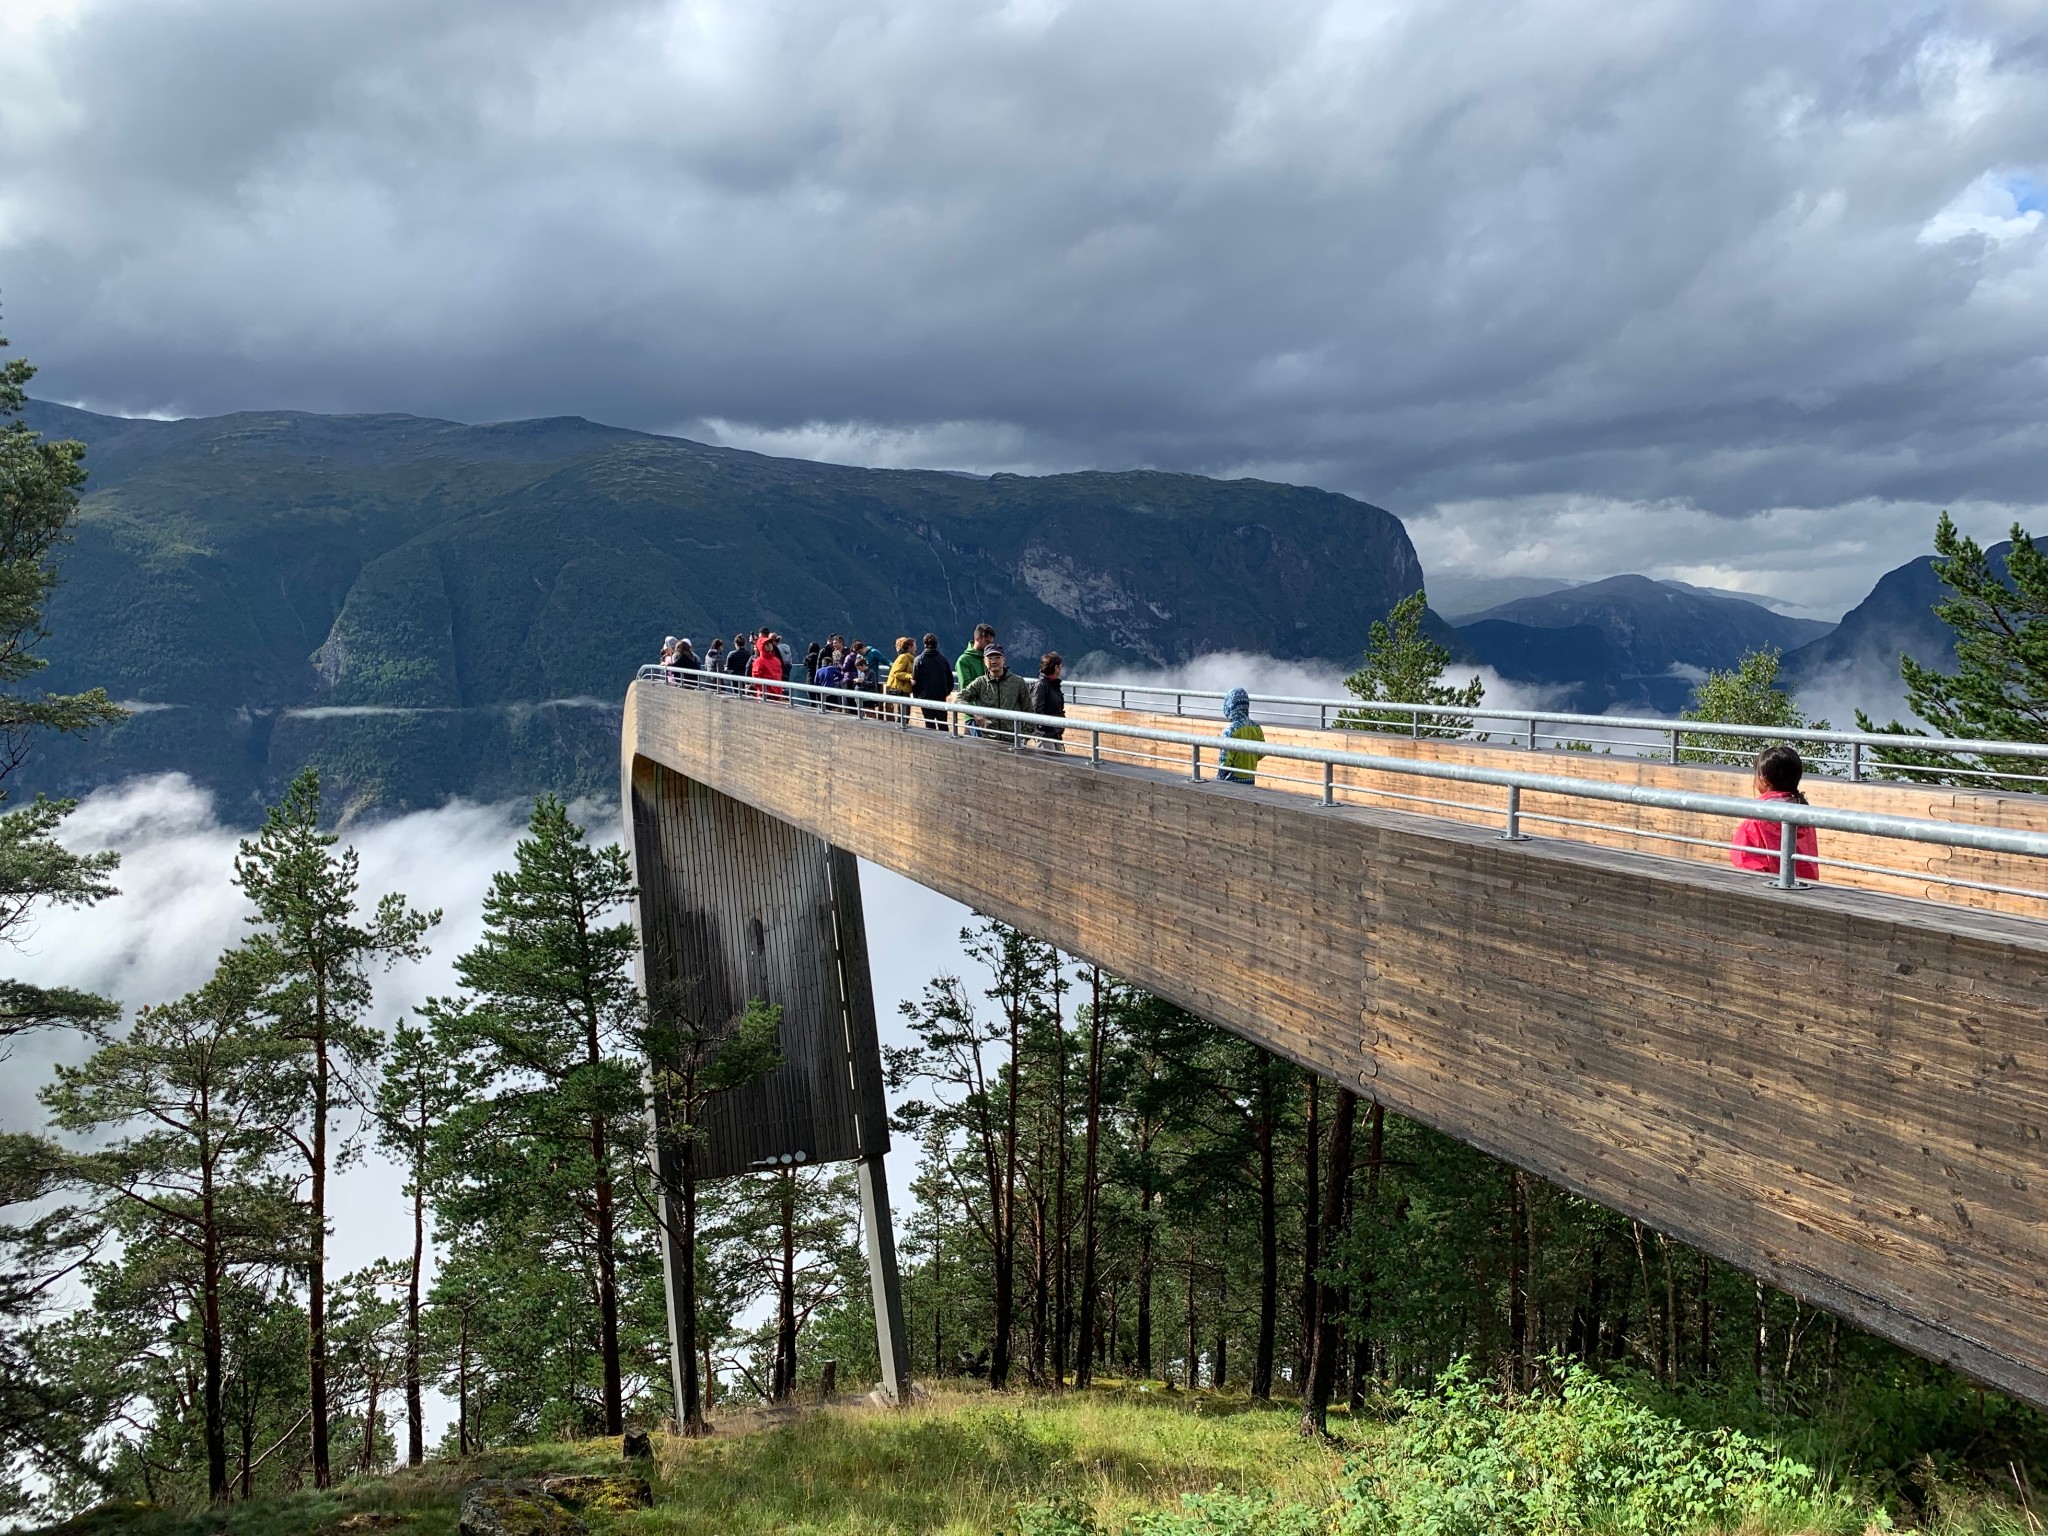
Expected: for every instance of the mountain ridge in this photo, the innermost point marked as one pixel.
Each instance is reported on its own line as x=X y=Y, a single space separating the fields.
x=243 y=569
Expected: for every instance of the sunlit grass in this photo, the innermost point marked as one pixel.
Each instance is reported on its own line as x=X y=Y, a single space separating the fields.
x=963 y=1461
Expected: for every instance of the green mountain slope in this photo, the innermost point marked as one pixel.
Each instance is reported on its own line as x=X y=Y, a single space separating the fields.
x=428 y=608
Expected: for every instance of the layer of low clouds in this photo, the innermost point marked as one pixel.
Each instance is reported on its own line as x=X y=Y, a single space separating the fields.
x=1725 y=289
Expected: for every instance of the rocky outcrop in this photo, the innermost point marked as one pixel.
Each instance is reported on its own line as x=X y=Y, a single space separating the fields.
x=515 y=1507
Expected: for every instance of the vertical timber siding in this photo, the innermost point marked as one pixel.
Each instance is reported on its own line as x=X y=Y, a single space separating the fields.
x=736 y=905
x=1842 y=1091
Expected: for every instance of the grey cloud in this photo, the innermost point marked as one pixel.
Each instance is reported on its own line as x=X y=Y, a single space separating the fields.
x=1688 y=261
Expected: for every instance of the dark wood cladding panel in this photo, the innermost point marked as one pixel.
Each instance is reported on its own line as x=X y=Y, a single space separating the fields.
x=736 y=905
x=1842 y=1091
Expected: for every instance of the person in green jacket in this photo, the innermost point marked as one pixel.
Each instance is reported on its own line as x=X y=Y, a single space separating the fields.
x=997 y=688
x=972 y=663
x=1239 y=767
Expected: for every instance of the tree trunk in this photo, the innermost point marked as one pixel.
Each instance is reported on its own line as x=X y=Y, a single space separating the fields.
x=1311 y=1229
x=462 y=1383
x=1193 y=1371
x=1671 y=1349
x=691 y=1409
x=607 y=1281
x=415 y=1415
x=1762 y=1363
x=785 y=1294
x=1269 y=1244
x=1145 y=1277
x=367 y=1461
x=1006 y=1228
x=1518 y=1266
x=1706 y=1318
x=316 y=1275
x=1084 y=1354
x=1375 y=1162
x=1062 y=1305
x=1323 y=1347
x=210 y=1344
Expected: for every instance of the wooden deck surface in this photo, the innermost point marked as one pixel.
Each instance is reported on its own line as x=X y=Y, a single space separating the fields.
x=1837 y=1089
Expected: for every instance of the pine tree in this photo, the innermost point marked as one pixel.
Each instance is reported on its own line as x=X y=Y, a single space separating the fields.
x=314 y=951
x=190 y=1098
x=549 y=1028
x=1999 y=690
x=1404 y=666
x=415 y=1096
x=39 y=484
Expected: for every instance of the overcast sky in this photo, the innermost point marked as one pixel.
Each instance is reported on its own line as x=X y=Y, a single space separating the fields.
x=1735 y=290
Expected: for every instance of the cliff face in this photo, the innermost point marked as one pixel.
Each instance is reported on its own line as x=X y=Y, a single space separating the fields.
x=427 y=608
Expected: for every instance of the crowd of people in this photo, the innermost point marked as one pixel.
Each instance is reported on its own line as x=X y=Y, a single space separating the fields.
x=916 y=675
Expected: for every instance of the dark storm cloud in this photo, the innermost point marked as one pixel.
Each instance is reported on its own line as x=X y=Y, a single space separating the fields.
x=1733 y=290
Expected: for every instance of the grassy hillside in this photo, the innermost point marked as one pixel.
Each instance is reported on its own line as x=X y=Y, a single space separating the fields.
x=246 y=576
x=1126 y=1462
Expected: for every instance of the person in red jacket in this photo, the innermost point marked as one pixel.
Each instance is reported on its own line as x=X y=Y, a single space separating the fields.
x=767 y=665
x=1778 y=772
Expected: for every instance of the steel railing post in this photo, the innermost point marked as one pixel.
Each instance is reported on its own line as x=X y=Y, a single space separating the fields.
x=1095 y=749
x=1856 y=762
x=1674 y=744
x=1788 y=843
x=1532 y=733
x=1322 y=717
x=1195 y=754
x=1329 y=783
x=1514 y=833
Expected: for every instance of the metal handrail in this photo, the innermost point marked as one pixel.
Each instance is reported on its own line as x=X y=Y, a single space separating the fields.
x=1786 y=813
x=1660 y=724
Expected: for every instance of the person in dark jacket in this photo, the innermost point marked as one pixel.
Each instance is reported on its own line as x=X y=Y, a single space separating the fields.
x=686 y=661
x=931 y=679
x=739 y=660
x=997 y=688
x=1048 y=697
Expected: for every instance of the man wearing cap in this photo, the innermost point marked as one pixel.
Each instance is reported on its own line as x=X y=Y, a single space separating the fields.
x=998 y=688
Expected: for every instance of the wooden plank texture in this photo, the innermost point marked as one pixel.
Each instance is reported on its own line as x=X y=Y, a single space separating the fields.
x=1647 y=829
x=1839 y=1090
x=735 y=905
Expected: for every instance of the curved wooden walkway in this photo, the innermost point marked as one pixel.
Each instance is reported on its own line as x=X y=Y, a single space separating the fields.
x=1842 y=1091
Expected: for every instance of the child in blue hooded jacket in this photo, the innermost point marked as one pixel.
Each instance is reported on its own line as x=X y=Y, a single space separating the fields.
x=1239 y=767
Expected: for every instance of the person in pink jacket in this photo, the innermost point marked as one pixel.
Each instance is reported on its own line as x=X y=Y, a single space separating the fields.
x=767 y=665
x=1778 y=772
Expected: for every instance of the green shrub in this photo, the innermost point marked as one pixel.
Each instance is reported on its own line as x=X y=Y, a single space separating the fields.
x=1228 y=1514
x=1218 y=1513
x=1467 y=1460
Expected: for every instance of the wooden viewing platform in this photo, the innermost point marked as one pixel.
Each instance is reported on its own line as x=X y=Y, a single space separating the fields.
x=1840 y=1090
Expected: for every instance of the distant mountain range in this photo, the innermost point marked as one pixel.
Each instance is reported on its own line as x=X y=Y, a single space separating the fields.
x=428 y=609
x=1627 y=642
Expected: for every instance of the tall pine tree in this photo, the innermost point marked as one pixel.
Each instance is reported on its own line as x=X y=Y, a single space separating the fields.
x=315 y=949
